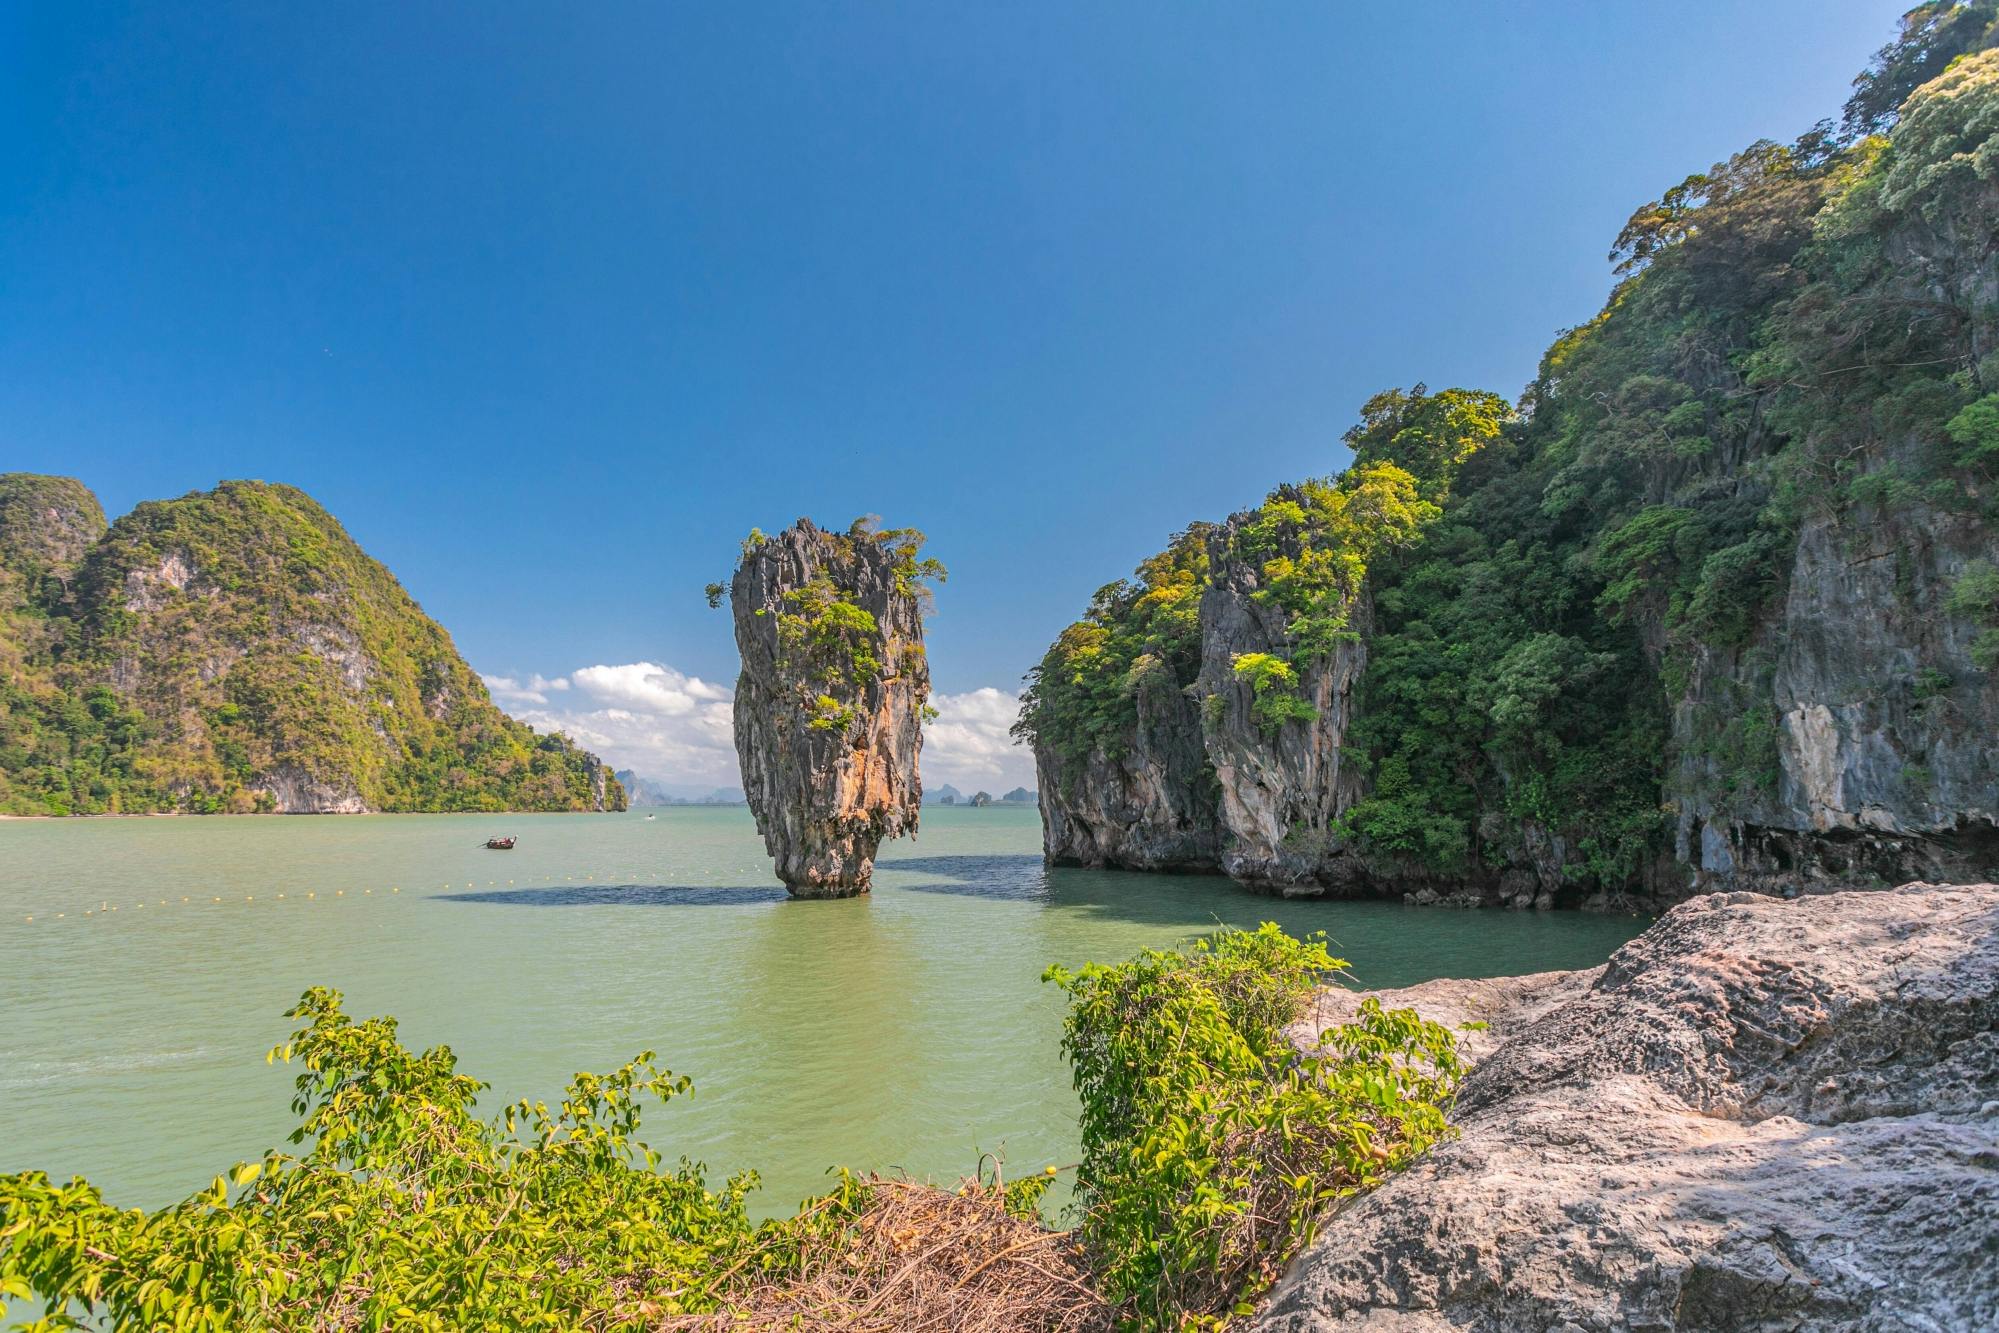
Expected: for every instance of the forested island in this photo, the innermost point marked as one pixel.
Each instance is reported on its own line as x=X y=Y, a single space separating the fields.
x=235 y=651
x=1714 y=604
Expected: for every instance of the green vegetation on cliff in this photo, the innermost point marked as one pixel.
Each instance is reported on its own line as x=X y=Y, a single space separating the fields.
x=1211 y=1148
x=234 y=650
x=1083 y=695
x=826 y=640
x=1569 y=636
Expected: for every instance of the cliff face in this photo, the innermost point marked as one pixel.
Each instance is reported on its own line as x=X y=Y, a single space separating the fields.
x=1151 y=806
x=1717 y=607
x=1885 y=764
x=830 y=703
x=1282 y=784
x=234 y=650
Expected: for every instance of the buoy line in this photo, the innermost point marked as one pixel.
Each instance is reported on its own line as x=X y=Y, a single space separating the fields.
x=105 y=907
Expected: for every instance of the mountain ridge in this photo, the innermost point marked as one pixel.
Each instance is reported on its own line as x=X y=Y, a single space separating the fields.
x=234 y=650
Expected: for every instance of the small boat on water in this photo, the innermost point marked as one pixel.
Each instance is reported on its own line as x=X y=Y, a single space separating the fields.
x=499 y=844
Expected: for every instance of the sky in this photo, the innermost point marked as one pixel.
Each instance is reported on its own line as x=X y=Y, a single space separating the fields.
x=551 y=304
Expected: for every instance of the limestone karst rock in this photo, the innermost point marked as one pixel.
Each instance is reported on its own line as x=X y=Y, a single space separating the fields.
x=1686 y=620
x=235 y=650
x=829 y=706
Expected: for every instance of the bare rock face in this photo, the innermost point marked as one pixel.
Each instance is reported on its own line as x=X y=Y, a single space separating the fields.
x=1150 y=807
x=1280 y=789
x=1758 y=1116
x=1885 y=767
x=829 y=706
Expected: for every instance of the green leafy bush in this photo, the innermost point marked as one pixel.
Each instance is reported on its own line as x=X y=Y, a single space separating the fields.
x=404 y=1210
x=1211 y=1145
x=1273 y=686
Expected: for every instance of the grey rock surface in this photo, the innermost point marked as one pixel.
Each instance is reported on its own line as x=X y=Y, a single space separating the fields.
x=1280 y=791
x=1759 y=1115
x=826 y=794
x=1150 y=807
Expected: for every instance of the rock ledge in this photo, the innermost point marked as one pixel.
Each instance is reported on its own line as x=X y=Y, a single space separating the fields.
x=1758 y=1115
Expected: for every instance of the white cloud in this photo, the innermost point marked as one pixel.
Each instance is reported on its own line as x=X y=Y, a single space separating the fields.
x=534 y=690
x=666 y=724
x=968 y=746
x=648 y=686
x=676 y=728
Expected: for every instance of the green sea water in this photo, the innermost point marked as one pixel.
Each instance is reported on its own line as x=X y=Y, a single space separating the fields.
x=145 y=963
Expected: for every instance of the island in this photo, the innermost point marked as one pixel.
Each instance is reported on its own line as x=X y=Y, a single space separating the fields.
x=833 y=693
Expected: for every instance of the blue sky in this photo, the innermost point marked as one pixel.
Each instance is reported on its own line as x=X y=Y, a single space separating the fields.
x=550 y=304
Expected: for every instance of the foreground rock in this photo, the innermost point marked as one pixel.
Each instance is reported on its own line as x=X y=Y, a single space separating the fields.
x=1758 y=1115
x=829 y=707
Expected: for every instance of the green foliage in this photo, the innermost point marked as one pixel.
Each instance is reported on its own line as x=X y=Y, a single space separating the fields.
x=1312 y=543
x=1933 y=34
x=1974 y=596
x=829 y=646
x=1083 y=696
x=252 y=642
x=1976 y=429
x=1211 y=1147
x=1274 y=691
x=1634 y=556
x=404 y=1210
x=1211 y=1150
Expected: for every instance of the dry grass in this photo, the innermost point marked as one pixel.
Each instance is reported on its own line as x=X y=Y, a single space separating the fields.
x=918 y=1258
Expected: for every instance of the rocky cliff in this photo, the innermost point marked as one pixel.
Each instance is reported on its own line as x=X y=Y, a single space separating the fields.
x=1715 y=605
x=830 y=704
x=1759 y=1115
x=1283 y=778
x=234 y=650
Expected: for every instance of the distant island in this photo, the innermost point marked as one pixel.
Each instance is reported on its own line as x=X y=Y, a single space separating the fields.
x=234 y=651
x=645 y=792
x=979 y=800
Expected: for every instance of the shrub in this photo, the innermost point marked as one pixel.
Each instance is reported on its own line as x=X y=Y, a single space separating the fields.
x=1211 y=1145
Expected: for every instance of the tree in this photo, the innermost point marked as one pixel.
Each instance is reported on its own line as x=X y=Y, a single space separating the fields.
x=1933 y=35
